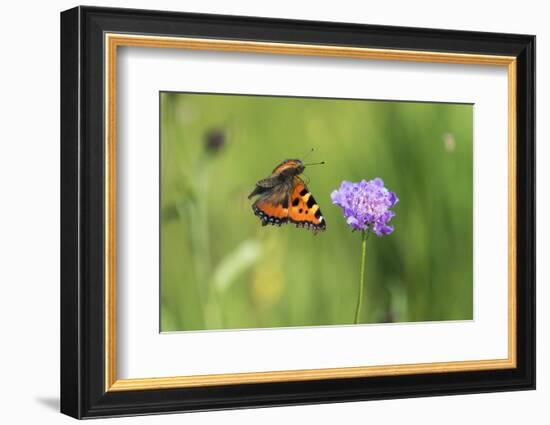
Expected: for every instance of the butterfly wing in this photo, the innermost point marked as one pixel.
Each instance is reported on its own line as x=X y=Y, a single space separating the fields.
x=264 y=186
x=272 y=209
x=303 y=210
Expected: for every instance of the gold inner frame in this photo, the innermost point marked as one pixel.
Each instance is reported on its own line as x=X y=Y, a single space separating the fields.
x=113 y=41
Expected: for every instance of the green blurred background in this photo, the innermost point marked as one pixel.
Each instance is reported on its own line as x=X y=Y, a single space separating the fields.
x=220 y=269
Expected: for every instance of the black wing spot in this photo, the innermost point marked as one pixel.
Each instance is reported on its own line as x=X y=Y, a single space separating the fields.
x=311 y=202
x=296 y=201
x=318 y=213
x=300 y=211
x=304 y=192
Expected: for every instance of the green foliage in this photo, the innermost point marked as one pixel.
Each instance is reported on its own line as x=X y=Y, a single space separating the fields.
x=221 y=269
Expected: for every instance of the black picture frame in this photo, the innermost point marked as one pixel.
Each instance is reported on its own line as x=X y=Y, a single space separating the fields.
x=83 y=392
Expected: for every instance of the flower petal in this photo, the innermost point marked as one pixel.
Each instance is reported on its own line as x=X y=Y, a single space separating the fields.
x=393 y=199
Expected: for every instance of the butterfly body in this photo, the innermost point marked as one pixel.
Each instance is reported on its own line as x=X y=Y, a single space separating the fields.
x=283 y=198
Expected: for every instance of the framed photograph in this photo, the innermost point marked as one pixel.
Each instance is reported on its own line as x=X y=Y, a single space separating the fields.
x=261 y=212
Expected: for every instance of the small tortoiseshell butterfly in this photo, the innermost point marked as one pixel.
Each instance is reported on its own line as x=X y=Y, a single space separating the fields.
x=283 y=197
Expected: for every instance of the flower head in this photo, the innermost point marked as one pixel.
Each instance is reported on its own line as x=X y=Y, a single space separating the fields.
x=366 y=205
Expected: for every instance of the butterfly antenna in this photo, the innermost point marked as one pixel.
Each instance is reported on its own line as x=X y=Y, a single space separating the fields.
x=314 y=163
x=307 y=154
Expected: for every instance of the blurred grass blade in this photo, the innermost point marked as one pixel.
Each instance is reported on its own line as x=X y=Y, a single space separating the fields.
x=236 y=262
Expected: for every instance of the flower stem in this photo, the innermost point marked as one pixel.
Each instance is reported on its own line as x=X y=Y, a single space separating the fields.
x=362 y=277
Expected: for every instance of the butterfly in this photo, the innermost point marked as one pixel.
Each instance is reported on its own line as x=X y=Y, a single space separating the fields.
x=283 y=197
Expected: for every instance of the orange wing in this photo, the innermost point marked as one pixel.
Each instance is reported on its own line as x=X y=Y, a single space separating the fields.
x=270 y=212
x=303 y=209
x=288 y=163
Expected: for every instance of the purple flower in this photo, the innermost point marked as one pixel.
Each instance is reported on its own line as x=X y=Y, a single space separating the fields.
x=366 y=205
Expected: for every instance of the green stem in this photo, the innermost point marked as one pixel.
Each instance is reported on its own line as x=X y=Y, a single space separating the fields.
x=362 y=277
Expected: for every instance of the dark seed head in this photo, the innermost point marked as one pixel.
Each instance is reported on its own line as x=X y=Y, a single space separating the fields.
x=214 y=140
